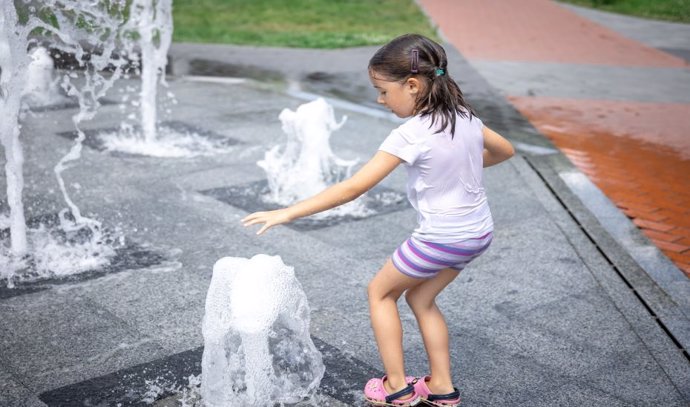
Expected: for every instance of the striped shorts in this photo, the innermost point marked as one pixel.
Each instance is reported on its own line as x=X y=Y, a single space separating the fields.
x=420 y=259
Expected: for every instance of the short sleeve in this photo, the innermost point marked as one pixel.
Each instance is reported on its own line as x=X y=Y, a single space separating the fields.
x=401 y=145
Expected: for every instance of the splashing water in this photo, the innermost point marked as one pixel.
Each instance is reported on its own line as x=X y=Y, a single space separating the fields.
x=152 y=20
x=89 y=31
x=306 y=164
x=169 y=143
x=13 y=61
x=41 y=86
x=151 y=27
x=56 y=252
x=257 y=348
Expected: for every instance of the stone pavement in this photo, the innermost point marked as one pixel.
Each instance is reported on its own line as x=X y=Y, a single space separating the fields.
x=556 y=313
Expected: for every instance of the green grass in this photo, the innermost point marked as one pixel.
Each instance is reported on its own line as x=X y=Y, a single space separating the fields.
x=669 y=10
x=297 y=23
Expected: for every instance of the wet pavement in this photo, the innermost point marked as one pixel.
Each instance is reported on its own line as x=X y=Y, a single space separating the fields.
x=612 y=92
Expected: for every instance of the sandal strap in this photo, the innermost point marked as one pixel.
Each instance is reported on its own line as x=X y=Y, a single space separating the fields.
x=404 y=392
x=450 y=396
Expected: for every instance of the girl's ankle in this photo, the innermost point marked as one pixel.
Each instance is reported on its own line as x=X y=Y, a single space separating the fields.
x=440 y=387
x=394 y=386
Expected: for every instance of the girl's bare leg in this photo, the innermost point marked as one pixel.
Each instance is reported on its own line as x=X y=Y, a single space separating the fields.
x=422 y=300
x=384 y=291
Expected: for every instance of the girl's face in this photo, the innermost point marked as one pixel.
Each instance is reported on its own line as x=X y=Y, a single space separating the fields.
x=399 y=97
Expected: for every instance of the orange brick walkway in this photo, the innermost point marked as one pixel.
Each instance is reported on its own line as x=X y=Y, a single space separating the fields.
x=615 y=144
x=637 y=153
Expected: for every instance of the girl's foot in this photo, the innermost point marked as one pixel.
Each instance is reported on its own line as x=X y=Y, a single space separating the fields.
x=376 y=393
x=451 y=399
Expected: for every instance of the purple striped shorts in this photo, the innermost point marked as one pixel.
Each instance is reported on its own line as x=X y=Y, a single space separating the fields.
x=420 y=259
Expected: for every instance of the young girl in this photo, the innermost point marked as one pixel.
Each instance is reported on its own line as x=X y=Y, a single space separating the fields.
x=443 y=147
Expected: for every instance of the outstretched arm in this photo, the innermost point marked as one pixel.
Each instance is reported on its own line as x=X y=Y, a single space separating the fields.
x=496 y=148
x=343 y=192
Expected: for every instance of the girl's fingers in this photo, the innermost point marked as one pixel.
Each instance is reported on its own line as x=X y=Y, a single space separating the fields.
x=252 y=222
x=249 y=217
x=259 y=217
x=253 y=219
x=264 y=228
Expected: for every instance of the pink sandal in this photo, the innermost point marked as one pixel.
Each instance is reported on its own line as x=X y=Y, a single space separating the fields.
x=377 y=395
x=436 y=400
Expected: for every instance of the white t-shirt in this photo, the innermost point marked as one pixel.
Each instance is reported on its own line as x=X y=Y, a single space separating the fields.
x=444 y=180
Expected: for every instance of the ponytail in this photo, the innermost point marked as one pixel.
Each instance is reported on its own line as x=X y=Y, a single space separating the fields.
x=415 y=56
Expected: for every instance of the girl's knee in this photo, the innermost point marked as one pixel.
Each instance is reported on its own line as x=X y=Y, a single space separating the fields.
x=417 y=300
x=378 y=290
x=375 y=290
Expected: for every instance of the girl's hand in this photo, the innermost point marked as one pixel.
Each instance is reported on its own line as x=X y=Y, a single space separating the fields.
x=269 y=219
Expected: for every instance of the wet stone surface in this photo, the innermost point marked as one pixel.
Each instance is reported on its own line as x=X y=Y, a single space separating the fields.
x=207 y=67
x=168 y=377
x=128 y=256
x=249 y=197
x=94 y=141
x=66 y=103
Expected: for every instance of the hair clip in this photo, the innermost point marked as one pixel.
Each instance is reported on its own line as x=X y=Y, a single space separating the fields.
x=414 y=61
x=440 y=72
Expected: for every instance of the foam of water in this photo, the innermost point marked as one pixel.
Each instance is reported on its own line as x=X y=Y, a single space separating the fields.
x=55 y=253
x=257 y=348
x=41 y=87
x=168 y=143
x=181 y=395
x=306 y=165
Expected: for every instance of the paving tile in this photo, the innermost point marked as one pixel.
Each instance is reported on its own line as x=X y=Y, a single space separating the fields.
x=50 y=340
x=655 y=216
x=672 y=247
x=658 y=226
x=682 y=231
x=663 y=237
x=682 y=239
x=637 y=206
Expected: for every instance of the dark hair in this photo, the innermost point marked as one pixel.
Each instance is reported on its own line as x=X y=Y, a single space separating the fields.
x=416 y=56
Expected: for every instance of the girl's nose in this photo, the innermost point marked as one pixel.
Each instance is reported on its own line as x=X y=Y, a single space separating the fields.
x=379 y=99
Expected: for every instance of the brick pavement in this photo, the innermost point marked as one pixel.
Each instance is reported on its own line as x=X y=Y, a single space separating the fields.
x=646 y=180
x=637 y=153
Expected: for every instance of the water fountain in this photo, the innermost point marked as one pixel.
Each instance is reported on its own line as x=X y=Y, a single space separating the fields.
x=257 y=348
x=71 y=243
x=14 y=62
x=305 y=165
x=153 y=23
x=146 y=41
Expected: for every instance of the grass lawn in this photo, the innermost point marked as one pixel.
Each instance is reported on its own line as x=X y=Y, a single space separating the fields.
x=297 y=23
x=670 y=10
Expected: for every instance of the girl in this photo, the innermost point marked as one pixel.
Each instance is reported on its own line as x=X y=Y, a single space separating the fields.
x=443 y=147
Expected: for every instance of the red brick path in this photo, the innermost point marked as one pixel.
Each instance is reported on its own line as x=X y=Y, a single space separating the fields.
x=638 y=154
x=646 y=179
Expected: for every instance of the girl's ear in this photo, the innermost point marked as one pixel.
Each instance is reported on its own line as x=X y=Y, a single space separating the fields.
x=413 y=85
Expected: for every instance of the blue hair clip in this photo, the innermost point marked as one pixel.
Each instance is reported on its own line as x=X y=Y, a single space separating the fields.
x=440 y=72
